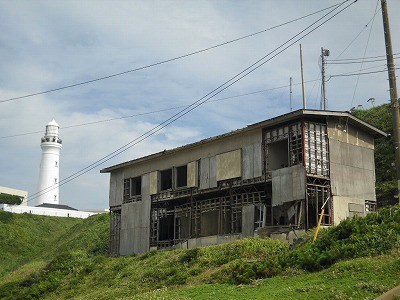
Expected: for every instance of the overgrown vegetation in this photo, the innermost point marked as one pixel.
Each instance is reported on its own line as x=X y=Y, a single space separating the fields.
x=10 y=199
x=79 y=268
x=386 y=183
x=24 y=237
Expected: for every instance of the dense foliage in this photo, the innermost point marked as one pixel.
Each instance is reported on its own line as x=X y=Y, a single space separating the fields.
x=386 y=184
x=377 y=233
x=10 y=199
x=78 y=266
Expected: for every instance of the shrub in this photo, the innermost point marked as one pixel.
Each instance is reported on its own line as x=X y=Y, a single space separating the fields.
x=377 y=233
x=10 y=199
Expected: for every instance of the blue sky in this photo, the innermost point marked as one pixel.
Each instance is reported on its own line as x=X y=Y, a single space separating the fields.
x=47 y=44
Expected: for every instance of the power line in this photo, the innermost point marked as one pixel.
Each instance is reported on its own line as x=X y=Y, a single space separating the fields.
x=357 y=71
x=363 y=73
x=165 y=61
x=356 y=37
x=154 y=111
x=357 y=62
x=365 y=52
x=360 y=58
x=202 y=100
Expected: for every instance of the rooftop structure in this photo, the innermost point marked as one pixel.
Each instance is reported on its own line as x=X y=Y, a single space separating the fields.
x=23 y=195
x=271 y=176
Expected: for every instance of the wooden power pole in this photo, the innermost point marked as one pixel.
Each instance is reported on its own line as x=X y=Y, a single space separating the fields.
x=393 y=91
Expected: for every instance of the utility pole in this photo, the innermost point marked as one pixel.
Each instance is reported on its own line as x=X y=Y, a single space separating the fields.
x=393 y=91
x=303 y=88
x=324 y=52
x=291 y=92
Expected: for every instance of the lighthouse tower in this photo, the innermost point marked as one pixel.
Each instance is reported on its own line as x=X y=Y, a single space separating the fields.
x=49 y=174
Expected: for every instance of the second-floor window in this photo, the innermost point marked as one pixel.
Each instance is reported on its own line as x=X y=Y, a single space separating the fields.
x=132 y=187
x=166 y=179
x=181 y=176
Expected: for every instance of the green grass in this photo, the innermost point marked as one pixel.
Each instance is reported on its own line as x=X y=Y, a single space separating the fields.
x=24 y=237
x=358 y=259
x=362 y=278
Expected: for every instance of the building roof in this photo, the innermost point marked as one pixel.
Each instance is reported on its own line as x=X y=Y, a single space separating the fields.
x=53 y=123
x=266 y=123
x=57 y=206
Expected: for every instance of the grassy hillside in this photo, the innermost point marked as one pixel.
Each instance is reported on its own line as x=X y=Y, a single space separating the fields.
x=24 y=237
x=358 y=259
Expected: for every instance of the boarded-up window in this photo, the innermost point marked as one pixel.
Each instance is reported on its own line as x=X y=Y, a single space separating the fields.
x=192 y=174
x=356 y=209
x=154 y=183
x=229 y=165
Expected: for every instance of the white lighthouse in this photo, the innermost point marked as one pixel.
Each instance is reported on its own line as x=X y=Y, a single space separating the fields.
x=49 y=174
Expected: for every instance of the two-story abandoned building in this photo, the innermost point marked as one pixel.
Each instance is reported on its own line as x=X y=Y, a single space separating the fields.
x=273 y=174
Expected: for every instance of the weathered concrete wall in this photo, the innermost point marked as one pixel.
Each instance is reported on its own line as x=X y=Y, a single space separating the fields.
x=116 y=188
x=248 y=220
x=210 y=149
x=288 y=184
x=352 y=169
x=345 y=207
x=208 y=241
x=229 y=165
x=337 y=130
x=192 y=174
x=282 y=233
x=135 y=222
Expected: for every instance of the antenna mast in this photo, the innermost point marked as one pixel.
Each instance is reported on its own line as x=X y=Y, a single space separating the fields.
x=291 y=92
x=324 y=52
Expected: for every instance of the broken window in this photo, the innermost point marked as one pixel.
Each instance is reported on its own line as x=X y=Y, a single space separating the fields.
x=181 y=176
x=132 y=189
x=316 y=149
x=258 y=216
x=166 y=179
x=370 y=206
x=277 y=155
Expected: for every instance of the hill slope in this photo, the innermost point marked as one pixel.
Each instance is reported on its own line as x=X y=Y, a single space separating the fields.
x=78 y=267
x=24 y=237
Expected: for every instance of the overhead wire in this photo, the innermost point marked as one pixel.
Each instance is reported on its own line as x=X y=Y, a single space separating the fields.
x=362 y=73
x=365 y=52
x=202 y=100
x=360 y=58
x=341 y=53
x=165 y=61
x=357 y=62
x=356 y=37
x=152 y=112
